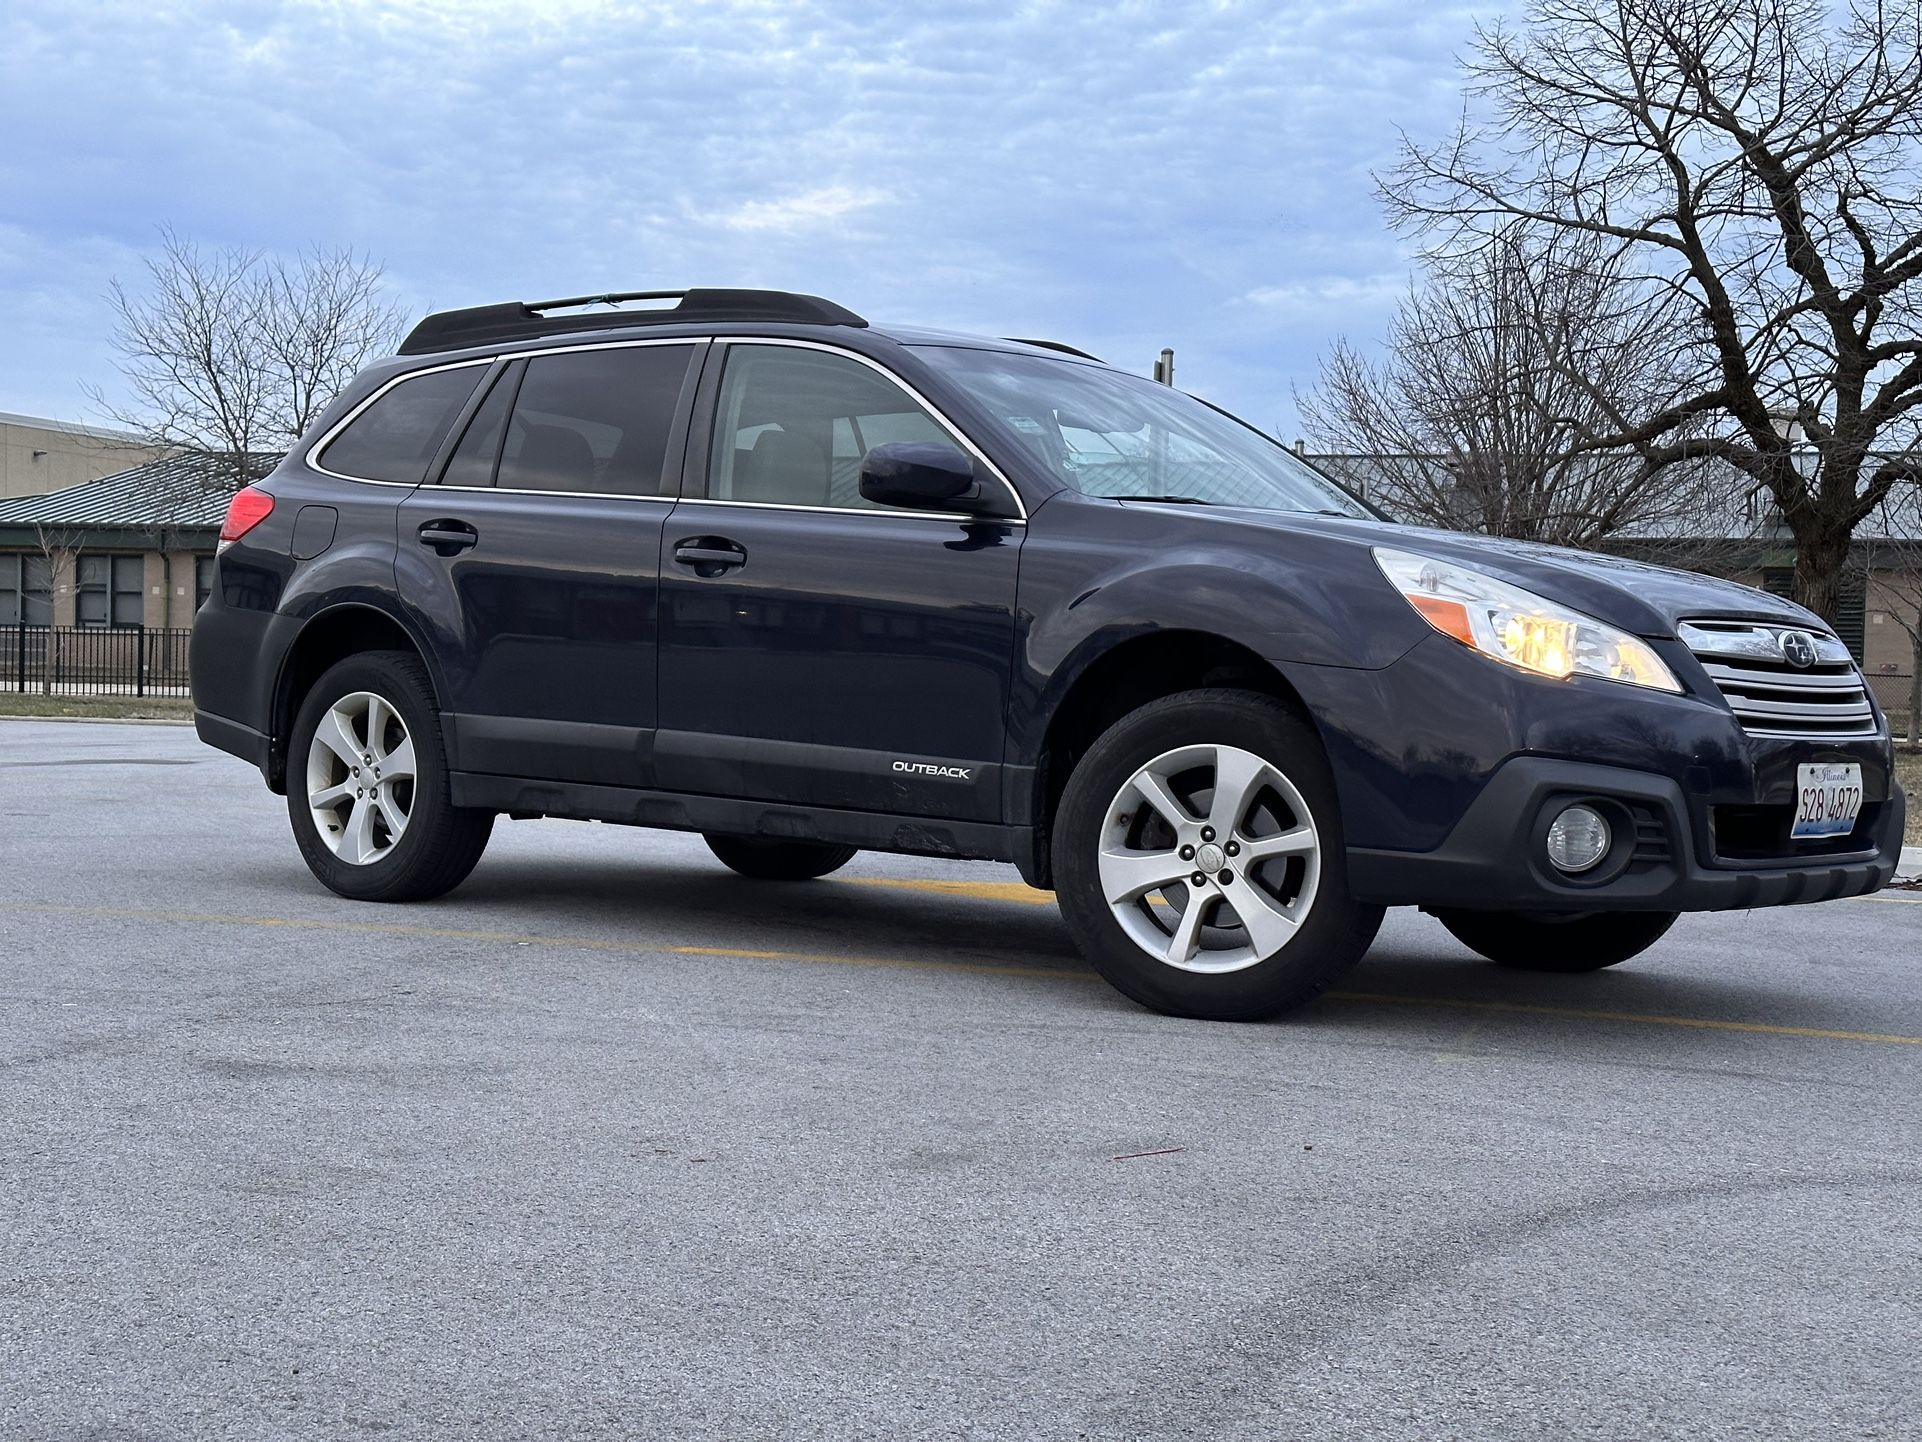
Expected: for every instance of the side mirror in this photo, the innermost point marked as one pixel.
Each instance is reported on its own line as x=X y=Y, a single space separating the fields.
x=921 y=476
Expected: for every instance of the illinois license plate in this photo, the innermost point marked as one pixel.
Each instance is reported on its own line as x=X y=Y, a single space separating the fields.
x=1828 y=798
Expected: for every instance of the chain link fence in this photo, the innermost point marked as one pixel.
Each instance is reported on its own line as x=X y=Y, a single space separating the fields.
x=93 y=661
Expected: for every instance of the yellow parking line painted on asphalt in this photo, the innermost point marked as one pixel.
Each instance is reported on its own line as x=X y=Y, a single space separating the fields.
x=587 y=943
x=1700 y=1023
x=981 y=890
x=1913 y=898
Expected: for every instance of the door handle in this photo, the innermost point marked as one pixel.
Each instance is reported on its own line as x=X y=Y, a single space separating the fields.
x=709 y=555
x=447 y=537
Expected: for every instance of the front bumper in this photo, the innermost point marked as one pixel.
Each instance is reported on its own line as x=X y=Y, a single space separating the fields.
x=1493 y=858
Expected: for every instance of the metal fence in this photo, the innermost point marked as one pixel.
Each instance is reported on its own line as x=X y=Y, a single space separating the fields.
x=93 y=661
x=1895 y=690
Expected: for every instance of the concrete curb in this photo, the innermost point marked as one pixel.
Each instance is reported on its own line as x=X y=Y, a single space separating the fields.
x=1911 y=863
x=102 y=720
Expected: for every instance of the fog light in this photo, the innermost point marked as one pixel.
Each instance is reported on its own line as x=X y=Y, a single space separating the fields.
x=1577 y=839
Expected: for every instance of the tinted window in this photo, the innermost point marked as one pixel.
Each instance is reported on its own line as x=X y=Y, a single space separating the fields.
x=594 y=420
x=1110 y=434
x=479 y=451
x=395 y=437
x=794 y=424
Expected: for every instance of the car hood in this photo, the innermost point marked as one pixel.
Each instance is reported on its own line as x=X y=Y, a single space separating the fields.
x=1646 y=600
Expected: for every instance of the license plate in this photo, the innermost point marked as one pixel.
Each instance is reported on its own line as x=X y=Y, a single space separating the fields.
x=1828 y=798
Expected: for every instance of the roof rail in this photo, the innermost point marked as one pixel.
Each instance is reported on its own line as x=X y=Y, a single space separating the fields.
x=524 y=320
x=1053 y=345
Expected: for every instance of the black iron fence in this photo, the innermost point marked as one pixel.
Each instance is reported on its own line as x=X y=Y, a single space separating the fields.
x=93 y=661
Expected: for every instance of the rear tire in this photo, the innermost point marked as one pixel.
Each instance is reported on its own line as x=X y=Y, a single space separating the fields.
x=369 y=802
x=766 y=858
x=1206 y=779
x=1547 y=941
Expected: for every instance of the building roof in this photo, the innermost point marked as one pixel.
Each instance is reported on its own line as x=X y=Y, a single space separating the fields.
x=1701 y=501
x=81 y=429
x=181 y=493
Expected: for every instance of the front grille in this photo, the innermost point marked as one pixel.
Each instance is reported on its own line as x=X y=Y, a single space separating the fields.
x=1822 y=701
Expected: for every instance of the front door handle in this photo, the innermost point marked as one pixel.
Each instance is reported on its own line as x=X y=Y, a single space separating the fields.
x=447 y=537
x=709 y=555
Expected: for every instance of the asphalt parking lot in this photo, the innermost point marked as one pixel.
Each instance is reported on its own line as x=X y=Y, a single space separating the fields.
x=612 y=1143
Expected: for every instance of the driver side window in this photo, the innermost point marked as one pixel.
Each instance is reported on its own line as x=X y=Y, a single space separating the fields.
x=793 y=424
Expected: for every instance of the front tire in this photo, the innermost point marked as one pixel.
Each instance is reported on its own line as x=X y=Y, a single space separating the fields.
x=1199 y=859
x=367 y=787
x=1554 y=942
x=767 y=858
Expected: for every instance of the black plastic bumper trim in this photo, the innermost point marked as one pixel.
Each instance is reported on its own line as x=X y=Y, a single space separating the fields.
x=1490 y=861
x=233 y=738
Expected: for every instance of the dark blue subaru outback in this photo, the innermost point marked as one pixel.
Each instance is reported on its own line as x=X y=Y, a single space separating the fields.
x=747 y=566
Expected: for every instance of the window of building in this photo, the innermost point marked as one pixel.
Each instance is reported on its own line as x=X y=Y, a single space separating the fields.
x=203 y=580
x=111 y=591
x=395 y=437
x=592 y=421
x=26 y=591
x=794 y=424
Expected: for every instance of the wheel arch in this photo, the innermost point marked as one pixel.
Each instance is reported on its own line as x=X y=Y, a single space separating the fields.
x=327 y=638
x=1120 y=678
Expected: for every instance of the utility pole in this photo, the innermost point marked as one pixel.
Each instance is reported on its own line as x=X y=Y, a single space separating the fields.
x=1165 y=367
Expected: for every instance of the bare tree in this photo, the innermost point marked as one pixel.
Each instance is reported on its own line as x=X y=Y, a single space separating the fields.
x=1476 y=418
x=230 y=354
x=1757 y=165
x=60 y=549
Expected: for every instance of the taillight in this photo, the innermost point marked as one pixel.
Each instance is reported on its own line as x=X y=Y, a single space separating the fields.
x=248 y=509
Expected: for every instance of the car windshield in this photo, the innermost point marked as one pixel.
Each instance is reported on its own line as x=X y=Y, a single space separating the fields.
x=1110 y=434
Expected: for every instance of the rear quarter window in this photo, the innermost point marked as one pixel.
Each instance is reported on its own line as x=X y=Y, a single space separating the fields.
x=396 y=436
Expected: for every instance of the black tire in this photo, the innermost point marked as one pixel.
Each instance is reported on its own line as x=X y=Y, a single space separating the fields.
x=441 y=842
x=1331 y=936
x=1547 y=941
x=767 y=858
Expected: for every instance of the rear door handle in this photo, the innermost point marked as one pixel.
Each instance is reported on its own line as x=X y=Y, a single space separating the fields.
x=709 y=555
x=447 y=537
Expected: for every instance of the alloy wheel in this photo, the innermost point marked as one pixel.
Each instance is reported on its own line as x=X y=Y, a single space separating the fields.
x=360 y=778
x=1209 y=859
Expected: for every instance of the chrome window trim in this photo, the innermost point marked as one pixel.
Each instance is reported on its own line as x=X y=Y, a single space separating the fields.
x=311 y=458
x=721 y=345
x=959 y=517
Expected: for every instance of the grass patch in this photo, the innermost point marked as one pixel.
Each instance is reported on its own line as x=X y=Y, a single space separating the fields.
x=97 y=708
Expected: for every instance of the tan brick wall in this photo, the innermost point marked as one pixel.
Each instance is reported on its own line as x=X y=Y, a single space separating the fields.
x=35 y=459
x=1886 y=645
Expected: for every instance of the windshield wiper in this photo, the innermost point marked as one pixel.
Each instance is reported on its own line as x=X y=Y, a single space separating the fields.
x=1176 y=500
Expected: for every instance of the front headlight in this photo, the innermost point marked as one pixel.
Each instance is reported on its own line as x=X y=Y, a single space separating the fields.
x=1518 y=627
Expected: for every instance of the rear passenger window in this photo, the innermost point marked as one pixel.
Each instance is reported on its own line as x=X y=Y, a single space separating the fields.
x=395 y=437
x=479 y=451
x=594 y=421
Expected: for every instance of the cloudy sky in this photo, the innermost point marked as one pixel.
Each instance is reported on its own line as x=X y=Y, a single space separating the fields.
x=1179 y=173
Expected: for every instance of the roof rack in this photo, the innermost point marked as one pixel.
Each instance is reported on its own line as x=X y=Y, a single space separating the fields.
x=1053 y=345
x=524 y=320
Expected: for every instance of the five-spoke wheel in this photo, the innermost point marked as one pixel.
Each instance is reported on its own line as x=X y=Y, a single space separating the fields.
x=360 y=777
x=1198 y=859
x=367 y=784
x=1209 y=858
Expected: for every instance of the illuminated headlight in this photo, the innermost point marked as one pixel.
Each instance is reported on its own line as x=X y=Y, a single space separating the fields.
x=1518 y=627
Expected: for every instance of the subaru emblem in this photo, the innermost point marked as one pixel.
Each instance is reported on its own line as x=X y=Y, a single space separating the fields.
x=1798 y=649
